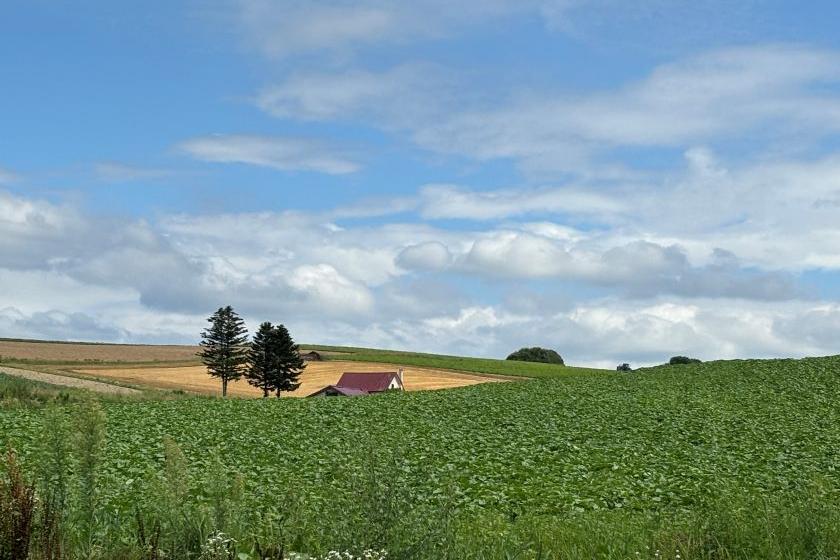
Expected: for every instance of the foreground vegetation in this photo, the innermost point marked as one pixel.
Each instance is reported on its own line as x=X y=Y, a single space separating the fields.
x=717 y=460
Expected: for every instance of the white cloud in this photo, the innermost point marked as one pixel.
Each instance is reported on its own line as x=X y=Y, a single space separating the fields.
x=287 y=154
x=607 y=332
x=323 y=287
x=726 y=93
x=763 y=93
x=26 y=214
x=358 y=284
x=402 y=96
x=451 y=201
x=33 y=232
x=519 y=255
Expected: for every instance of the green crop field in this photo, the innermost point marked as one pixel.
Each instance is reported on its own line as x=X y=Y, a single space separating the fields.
x=458 y=363
x=629 y=455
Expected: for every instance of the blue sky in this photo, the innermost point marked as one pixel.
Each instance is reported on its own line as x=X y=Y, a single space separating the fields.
x=621 y=182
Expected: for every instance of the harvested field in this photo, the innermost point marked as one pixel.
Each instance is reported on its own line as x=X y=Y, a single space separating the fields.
x=316 y=376
x=80 y=352
x=44 y=352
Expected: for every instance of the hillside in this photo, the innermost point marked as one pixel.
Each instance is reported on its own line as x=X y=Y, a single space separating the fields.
x=52 y=355
x=459 y=363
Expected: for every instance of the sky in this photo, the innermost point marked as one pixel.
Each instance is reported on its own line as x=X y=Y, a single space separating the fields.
x=619 y=181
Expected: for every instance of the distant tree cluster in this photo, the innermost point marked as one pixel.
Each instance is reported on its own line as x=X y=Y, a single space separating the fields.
x=625 y=367
x=271 y=362
x=537 y=354
x=676 y=360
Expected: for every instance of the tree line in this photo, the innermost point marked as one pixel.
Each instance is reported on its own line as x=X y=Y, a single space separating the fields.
x=271 y=361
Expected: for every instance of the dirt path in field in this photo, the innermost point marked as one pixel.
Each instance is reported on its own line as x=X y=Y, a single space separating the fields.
x=66 y=381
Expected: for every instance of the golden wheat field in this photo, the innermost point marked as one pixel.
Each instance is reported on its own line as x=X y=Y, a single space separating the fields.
x=316 y=376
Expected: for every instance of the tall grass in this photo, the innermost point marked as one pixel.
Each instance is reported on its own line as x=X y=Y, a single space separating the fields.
x=89 y=446
x=17 y=511
x=16 y=392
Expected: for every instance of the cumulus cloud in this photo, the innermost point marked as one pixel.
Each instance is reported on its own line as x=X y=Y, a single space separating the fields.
x=323 y=287
x=607 y=332
x=638 y=268
x=286 y=154
x=425 y=256
x=519 y=255
x=394 y=285
x=35 y=233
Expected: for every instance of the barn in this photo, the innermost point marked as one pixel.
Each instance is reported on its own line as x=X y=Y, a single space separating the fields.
x=354 y=384
x=312 y=356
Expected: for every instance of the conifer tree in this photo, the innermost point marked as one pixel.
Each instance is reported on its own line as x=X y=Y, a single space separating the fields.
x=289 y=364
x=261 y=359
x=224 y=346
x=274 y=362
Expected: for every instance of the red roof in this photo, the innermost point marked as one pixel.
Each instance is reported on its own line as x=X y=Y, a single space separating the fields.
x=372 y=382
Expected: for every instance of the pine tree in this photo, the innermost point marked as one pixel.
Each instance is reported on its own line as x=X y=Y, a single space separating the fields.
x=261 y=359
x=289 y=364
x=224 y=346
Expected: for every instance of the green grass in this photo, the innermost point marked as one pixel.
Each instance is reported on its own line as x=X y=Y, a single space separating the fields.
x=16 y=392
x=741 y=457
x=458 y=363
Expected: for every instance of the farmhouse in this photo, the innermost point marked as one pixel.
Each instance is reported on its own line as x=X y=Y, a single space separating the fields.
x=353 y=384
x=312 y=356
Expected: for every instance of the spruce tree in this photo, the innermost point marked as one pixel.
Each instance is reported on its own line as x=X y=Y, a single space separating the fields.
x=224 y=346
x=261 y=359
x=289 y=365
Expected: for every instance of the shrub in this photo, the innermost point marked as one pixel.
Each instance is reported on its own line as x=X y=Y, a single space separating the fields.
x=536 y=354
x=683 y=360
